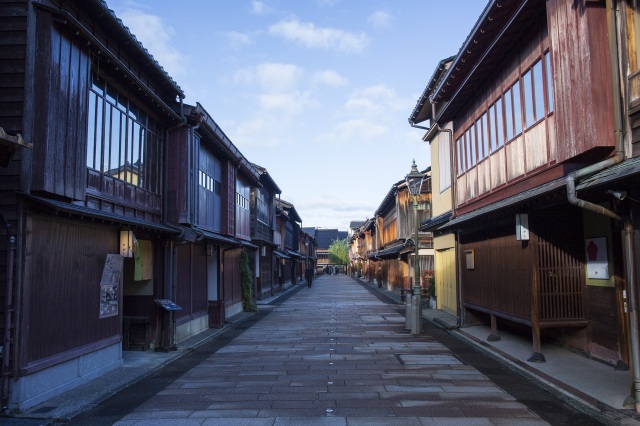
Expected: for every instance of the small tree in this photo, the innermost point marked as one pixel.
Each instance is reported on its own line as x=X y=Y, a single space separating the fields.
x=246 y=278
x=339 y=252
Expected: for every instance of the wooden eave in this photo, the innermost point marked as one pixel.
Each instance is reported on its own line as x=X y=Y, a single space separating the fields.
x=290 y=210
x=219 y=138
x=113 y=25
x=267 y=180
x=117 y=25
x=422 y=110
x=497 y=33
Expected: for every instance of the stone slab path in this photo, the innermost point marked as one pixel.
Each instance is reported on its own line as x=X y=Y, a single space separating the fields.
x=332 y=354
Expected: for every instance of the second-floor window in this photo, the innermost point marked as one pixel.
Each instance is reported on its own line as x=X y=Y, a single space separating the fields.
x=122 y=139
x=262 y=208
x=210 y=189
x=444 y=163
x=525 y=102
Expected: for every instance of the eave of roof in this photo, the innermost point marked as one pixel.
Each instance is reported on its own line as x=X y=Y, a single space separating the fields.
x=434 y=222
x=626 y=169
x=264 y=175
x=212 y=128
x=422 y=110
x=141 y=49
x=84 y=212
x=494 y=35
x=512 y=201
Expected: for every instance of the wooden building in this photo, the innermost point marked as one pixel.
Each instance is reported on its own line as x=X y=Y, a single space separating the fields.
x=287 y=237
x=542 y=142
x=442 y=207
x=208 y=197
x=91 y=100
x=394 y=256
x=263 y=225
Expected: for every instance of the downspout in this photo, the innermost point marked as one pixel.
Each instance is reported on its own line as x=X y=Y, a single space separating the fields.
x=8 y=318
x=170 y=249
x=628 y=225
x=412 y=124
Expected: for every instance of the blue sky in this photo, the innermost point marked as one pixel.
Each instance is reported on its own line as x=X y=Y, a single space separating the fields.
x=316 y=91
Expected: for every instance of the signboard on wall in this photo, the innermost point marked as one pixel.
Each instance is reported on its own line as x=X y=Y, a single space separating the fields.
x=110 y=286
x=597 y=259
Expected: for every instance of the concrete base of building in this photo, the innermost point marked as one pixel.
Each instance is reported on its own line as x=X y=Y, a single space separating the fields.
x=190 y=328
x=30 y=390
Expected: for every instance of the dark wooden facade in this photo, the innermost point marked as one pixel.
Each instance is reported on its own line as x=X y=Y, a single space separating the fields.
x=263 y=224
x=212 y=203
x=64 y=66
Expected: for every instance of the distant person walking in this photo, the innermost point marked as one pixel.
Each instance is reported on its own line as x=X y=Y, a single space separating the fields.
x=308 y=275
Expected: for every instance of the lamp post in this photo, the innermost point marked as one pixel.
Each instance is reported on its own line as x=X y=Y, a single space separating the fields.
x=414 y=183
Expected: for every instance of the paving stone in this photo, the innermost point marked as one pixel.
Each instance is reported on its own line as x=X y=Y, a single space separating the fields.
x=332 y=355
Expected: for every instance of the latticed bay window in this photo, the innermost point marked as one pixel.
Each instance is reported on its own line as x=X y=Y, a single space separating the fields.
x=122 y=139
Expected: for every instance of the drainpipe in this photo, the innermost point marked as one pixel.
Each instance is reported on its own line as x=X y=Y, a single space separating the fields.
x=618 y=157
x=8 y=318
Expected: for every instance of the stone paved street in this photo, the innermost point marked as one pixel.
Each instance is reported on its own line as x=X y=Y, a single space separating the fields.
x=331 y=355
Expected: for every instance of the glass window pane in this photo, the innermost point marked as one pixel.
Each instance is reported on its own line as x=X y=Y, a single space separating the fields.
x=538 y=90
x=499 y=123
x=485 y=133
x=116 y=132
x=517 y=109
x=547 y=60
x=111 y=95
x=527 y=85
x=479 y=140
x=91 y=131
x=459 y=149
x=508 y=114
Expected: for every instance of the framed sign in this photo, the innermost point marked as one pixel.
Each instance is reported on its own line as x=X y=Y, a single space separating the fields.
x=597 y=259
x=110 y=286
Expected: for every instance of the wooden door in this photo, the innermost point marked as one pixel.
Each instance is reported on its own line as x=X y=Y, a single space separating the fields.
x=445 y=271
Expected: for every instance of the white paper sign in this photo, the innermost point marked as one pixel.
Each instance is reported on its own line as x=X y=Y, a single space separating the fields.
x=597 y=261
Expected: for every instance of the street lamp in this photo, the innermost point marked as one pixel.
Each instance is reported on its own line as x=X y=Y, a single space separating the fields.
x=414 y=183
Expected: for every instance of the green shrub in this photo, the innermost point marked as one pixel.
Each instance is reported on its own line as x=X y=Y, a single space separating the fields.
x=246 y=278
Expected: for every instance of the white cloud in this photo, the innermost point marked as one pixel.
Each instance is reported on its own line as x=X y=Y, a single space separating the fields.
x=155 y=35
x=376 y=99
x=308 y=35
x=285 y=103
x=259 y=7
x=277 y=77
x=380 y=19
x=263 y=130
x=329 y=78
x=367 y=116
x=238 y=39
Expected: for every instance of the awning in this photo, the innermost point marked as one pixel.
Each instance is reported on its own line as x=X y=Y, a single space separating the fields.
x=244 y=243
x=391 y=252
x=82 y=212
x=280 y=254
x=294 y=253
x=626 y=169
x=434 y=222
x=186 y=233
x=218 y=238
x=507 y=202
